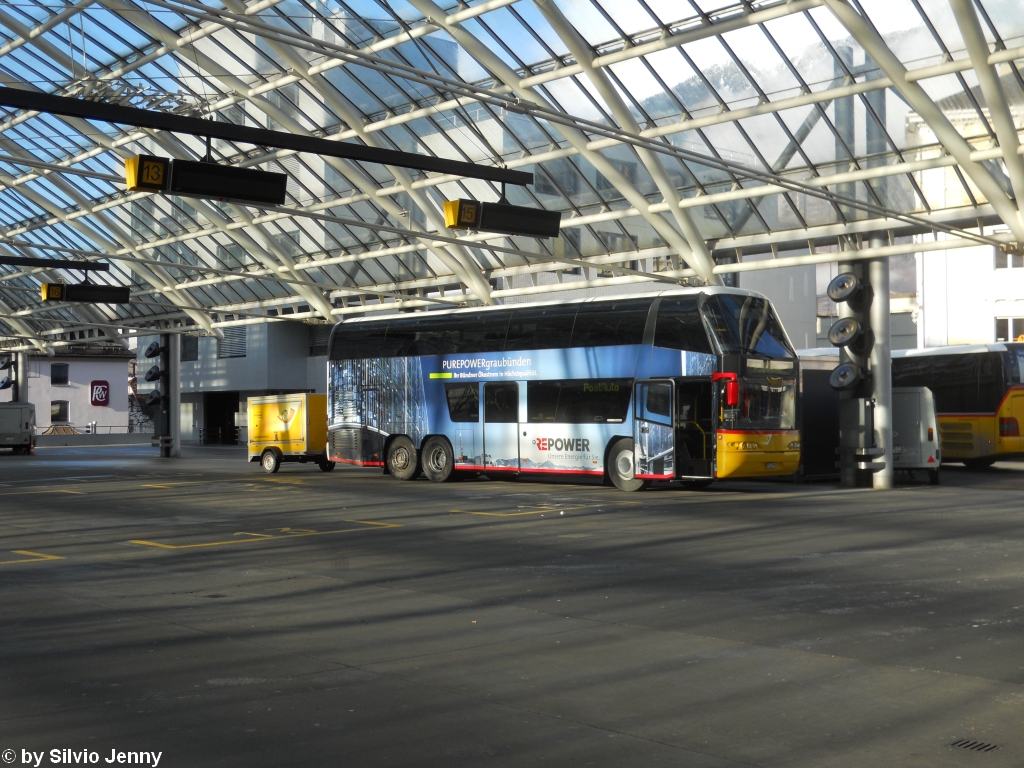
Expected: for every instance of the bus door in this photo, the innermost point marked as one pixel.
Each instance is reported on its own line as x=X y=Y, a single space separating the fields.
x=695 y=427
x=653 y=432
x=501 y=426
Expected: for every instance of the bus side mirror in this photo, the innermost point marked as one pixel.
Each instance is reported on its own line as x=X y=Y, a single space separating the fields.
x=732 y=387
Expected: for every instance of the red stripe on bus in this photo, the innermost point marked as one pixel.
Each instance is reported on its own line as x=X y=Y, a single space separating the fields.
x=356 y=463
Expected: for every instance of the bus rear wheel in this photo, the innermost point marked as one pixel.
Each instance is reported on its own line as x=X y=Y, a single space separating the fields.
x=438 y=460
x=402 y=460
x=621 y=466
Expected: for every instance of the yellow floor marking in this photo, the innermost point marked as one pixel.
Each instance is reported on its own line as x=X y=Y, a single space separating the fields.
x=152 y=485
x=49 y=490
x=263 y=537
x=36 y=557
x=288 y=480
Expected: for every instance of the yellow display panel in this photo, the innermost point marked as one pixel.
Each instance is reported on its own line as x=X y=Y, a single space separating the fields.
x=52 y=291
x=145 y=173
x=461 y=214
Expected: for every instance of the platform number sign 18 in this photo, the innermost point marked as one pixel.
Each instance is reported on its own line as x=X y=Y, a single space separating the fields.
x=100 y=393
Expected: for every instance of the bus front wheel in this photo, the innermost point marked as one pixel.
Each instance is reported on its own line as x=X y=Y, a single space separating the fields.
x=438 y=459
x=621 y=466
x=402 y=462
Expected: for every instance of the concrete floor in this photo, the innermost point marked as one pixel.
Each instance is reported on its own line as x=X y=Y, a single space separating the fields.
x=224 y=617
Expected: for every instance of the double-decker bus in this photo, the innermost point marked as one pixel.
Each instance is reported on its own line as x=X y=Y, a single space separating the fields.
x=979 y=398
x=688 y=385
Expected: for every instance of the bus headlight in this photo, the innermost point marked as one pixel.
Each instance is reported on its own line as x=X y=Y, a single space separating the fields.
x=795 y=445
x=743 y=446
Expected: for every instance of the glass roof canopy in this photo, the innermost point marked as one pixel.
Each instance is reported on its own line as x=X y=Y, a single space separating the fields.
x=677 y=137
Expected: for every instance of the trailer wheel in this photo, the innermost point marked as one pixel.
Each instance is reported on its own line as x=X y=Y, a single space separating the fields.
x=270 y=460
x=401 y=458
x=438 y=459
x=326 y=466
x=621 y=466
x=933 y=476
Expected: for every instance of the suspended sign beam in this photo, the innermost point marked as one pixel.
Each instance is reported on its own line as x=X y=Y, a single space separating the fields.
x=145 y=118
x=24 y=261
x=501 y=218
x=86 y=293
x=210 y=180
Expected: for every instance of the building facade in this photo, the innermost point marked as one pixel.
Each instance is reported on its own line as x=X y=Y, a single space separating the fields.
x=87 y=392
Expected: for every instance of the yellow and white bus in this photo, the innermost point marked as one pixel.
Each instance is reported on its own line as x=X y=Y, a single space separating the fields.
x=979 y=398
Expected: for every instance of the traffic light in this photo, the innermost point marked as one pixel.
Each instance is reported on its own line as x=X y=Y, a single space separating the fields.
x=850 y=334
x=159 y=352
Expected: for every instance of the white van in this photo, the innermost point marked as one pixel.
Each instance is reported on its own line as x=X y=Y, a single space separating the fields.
x=18 y=427
x=915 y=431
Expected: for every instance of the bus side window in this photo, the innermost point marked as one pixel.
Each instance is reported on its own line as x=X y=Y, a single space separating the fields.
x=473 y=332
x=610 y=323
x=654 y=402
x=501 y=403
x=542 y=400
x=463 y=402
x=680 y=326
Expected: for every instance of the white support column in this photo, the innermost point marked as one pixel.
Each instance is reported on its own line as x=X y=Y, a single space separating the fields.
x=922 y=103
x=995 y=97
x=174 y=394
x=881 y=366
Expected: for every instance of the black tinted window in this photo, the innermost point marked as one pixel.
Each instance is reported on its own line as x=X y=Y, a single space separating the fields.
x=680 y=326
x=414 y=336
x=542 y=400
x=605 y=323
x=540 y=328
x=190 y=347
x=475 y=332
x=501 y=403
x=592 y=401
x=463 y=401
x=58 y=374
x=352 y=341
x=960 y=383
x=745 y=324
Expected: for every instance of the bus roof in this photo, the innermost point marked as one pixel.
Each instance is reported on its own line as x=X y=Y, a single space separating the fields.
x=710 y=289
x=959 y=349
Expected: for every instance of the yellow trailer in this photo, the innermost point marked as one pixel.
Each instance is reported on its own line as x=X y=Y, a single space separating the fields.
x=288 y=428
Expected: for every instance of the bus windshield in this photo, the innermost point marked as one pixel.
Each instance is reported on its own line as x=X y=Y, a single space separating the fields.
x=767 y=402
x=744 y=324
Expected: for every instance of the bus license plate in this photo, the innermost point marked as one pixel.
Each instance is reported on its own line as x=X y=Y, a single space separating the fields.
x=769 y=465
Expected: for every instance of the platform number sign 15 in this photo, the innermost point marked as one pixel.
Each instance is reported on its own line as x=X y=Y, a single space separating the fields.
x=100 y=393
